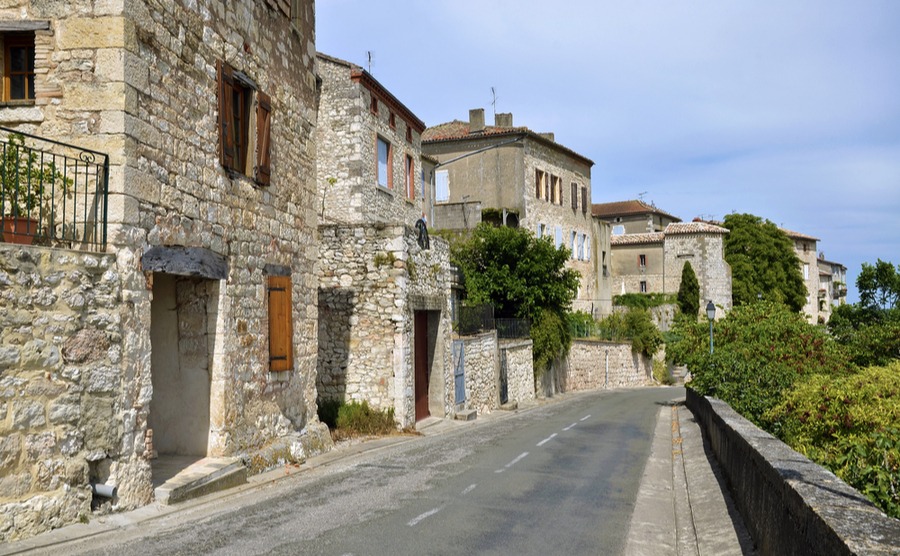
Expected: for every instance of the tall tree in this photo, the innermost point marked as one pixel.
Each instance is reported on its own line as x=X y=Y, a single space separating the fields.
x=689 y=291
x=763 y=263
x=879 y=285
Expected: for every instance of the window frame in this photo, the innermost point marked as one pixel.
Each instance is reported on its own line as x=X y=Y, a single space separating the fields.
x=243 y=109
x=389 y=163
x=18 y=40
x=574 y=188
x=410 y=178
x=643 y=286
x=642 y=261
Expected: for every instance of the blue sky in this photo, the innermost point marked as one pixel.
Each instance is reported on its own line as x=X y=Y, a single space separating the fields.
x=787 y=110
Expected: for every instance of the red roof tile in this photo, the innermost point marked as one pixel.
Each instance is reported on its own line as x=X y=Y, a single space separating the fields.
x=627 y=208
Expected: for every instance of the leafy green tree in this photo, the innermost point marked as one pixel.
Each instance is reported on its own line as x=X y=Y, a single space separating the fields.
x=689 y=291
x=763 y=263
x=522 y=277
x=871 y=335
x=879 y=285
x=760 y=351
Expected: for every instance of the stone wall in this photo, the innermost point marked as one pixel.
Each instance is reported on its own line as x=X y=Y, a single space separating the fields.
x=706 y=254
x=789 y=504
x=627 y=274
x=61 y=355
x=482 y=372
x=519 y=358
x=593 y=365
x=373 y=279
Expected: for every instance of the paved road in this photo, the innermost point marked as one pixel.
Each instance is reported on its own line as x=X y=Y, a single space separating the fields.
x=559 y=479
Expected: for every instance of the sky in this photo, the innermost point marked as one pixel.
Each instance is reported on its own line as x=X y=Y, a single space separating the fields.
x=789 y=110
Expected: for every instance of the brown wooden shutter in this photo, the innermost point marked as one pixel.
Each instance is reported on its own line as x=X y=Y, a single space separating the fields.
x=263 y=133
x=226 y=112
x=281 y=352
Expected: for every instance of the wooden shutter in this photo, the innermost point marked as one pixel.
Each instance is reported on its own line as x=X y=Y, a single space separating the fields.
x=226 y=112
x=281 y=352
x=263 y=133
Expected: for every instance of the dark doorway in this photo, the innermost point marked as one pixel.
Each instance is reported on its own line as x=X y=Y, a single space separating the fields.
x=420 y=348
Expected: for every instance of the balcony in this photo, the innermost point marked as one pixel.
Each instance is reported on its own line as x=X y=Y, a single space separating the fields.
x=52 y=193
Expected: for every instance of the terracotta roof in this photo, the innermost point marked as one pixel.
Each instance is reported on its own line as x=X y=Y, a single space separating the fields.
x=637 y=239
x=459 y=131
x=695 y=227
x=627 y=208
x=798 y=235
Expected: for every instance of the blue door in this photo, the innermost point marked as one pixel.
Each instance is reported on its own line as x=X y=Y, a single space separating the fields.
x=459 y=371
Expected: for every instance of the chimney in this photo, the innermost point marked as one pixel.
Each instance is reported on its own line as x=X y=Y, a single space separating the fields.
x=550 y=136
x=503 y=120
x=476 y=120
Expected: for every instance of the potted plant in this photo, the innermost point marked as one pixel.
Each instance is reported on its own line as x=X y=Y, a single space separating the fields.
x=23 y=184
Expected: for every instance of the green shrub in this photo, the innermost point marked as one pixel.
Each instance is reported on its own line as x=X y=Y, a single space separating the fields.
x=581 y=324
x=550 y=340
x=634 y=325
x=661 y=373
x=850 y=424
x=358 y=419
x=644 y=300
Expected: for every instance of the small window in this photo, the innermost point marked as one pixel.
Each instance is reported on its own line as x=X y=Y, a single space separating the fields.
x=643 y=286
x=392 y=120
x=642 y=261
x=281 y=333
x=558 y=239
x=410 y=178
x=385 y=163
x=572 y=243
x=244 y=125
x=618 y=230
x=409 y=134
x=580 y=247
x=374 y=105
x=587 y=248
x=540 y=184
x=441 y=186
x=18 y=68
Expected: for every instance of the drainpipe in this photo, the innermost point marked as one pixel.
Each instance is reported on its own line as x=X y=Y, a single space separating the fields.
x=104 y=490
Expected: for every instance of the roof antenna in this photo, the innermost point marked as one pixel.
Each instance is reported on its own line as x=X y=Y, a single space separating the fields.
x=494 y=102
x=641 y=196
x=369 y=56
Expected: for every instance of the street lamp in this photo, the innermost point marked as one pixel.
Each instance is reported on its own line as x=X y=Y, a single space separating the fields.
x=711 y=315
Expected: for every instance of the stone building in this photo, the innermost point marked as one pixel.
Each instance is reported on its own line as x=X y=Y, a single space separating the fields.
x=384 y=295
x=189 y=307
x=513 y=176
x=633 y=217
x=832 y=286
x=805 y=248
x=653 y=262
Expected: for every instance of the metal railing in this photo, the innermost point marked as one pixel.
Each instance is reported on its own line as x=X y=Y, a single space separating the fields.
x=474 y=319
x=513 y=328
x=52 y=193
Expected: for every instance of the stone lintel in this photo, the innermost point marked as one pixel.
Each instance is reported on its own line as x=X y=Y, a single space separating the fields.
x=18 y=25
x=276 y=270
x=185 y=261
x=426 y=303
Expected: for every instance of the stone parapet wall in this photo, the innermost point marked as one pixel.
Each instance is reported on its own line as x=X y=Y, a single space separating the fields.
x=789 y=504
x=61 y=409
x=519 y=369
x=482 y=372
x=593 y=365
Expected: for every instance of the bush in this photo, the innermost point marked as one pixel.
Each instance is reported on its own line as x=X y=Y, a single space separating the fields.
x=661 y=373
x=581 y=324
x=551 y=340
x=634 y=325
x=851 y=425
x=643 y=300
x=761 y=350
x=358 y=419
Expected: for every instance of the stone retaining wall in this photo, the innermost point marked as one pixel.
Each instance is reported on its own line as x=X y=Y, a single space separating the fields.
x=519 y=369
x=61 y=330
x=789 y=504
x=593 y=364
x=482 y=372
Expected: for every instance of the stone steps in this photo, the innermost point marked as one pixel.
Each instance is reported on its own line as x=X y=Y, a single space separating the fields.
x=203 y=477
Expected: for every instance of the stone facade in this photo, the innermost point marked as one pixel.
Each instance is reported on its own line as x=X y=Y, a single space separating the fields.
x=140 y=80
x=374 y=279
x=62 y=333
x=597 y=365
x=355 y=114
x=520 y=178
x=633 y=217
x=805 y=249
x=638 y=263
x=482 y=372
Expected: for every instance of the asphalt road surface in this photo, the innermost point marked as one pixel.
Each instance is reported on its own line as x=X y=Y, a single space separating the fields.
x=561 y=478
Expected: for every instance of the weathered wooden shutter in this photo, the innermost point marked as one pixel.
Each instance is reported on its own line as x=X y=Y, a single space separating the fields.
x=281 y=353
x=263 y=133
x=226 y=113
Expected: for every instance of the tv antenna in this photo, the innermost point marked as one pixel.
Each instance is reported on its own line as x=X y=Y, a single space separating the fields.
x=641 y=196
x=494 y=102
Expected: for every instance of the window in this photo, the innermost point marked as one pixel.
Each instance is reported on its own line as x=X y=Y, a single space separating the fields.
x=540 y=184
x=244 y=125
x=572 y=243
x=441 y=186
x=392 y=120
x=281 y=334
x=558 y=240
x=618 y=230
x=643 y=286
x=587 y=248
x=584 y=200
x=806 y=271
x=373 y=106
x=384 y=170
x=408 y=134
x=410 y=178
x=580 y=247
x=574 y=195
x=642 y=261
x=555 y=190
x=18 y=68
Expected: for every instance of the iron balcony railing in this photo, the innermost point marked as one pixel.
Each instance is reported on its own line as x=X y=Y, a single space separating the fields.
x=513 y=328
x=52 y=193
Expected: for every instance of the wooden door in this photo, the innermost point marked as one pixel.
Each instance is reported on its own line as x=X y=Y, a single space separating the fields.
x=420 y=346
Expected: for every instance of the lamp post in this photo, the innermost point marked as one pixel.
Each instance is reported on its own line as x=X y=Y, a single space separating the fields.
x=711 y=315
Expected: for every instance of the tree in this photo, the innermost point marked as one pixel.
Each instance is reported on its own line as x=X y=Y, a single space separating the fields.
x=879 y=285
x=689 y=291
x=522 y=277
x=763 y=263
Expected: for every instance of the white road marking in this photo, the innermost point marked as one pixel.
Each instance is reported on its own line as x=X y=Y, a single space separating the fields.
x=570 y=426
x=585 y=418
x=519 y=458
x=415 y=521
x=468 y=489
x=546 y=440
